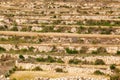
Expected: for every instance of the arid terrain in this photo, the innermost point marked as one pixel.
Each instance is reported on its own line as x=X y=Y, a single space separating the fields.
x=59 y=39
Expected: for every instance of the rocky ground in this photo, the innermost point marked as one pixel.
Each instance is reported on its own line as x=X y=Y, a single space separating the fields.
x=73 y=40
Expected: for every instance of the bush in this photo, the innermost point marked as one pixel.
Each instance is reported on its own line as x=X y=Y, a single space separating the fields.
x=115 y=77
x=59 y=60
x=2 y=49
x=74 y=61
x=37 y=69
x=71 y=51
x=118 y=53
x=99 y=62
x=94 y=52
x=98 y=72
x=101 y=50
x=116 y=70
x=21 y=57
x=59 y=70
x=24 y=50
x=14 y=29
x=112 y=67
x=40 y=59
x=50 y=59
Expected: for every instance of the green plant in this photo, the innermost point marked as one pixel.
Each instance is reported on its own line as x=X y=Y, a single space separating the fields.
x=59 y=70
x=112 y=67
x=2 y=49
x=115 y=77
x=14 y=28
x=98 y=72
x=74 y=61
x=37 y=68
x=21 y=57
x=118 y=53
x=69 y=51
x=94 y=52
x=40 y=59
x=50 y=59
x=59 y=60
x=99 y=62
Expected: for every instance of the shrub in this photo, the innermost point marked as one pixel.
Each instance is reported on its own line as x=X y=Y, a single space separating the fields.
x=112 y=67
x=71 y=51
x=14 y=28
x=7 y=75
x=2 y=49
x=98 y=72
x=31 y=48
x=40 y=59
x=94 y=52
x=50 y=59
x=21 y=57
x=59 y=70
x=74 y=61
x=37 y=69
x=101 y=50
x=24 y=50
x=99 y=62
x=118 y=53
x=59 y=60
x=114 y=77
x=116 y=70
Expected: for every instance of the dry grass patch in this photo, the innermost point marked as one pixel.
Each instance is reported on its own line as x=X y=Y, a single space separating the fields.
x=22 y=75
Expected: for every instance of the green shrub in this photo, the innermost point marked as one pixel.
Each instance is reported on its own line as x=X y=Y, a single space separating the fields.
x=116 y=70
x=40 y=59
x=31 y=48
x=101 y=50
x=118 y=53
x=112 y=67
x=50 y=59
x=14 y=28
x=24 y=50
x=99 y=62
x=98 y=72
x=114 y=77
x=2 y=49
x=69 y=51
x=37 y=69
x=94 y=52
x=59 y=70
x=74 y=61
x=59 y=60
x=21 y=57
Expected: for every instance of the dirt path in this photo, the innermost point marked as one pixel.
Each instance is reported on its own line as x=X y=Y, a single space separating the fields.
x=15 y=33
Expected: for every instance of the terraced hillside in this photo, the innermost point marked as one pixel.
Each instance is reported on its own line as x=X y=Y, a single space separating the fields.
x=59 y=40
